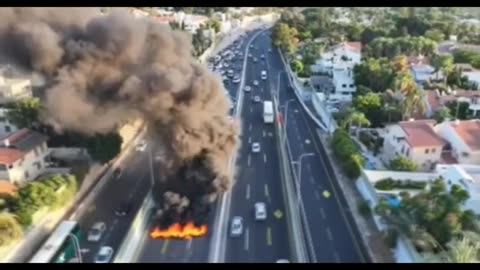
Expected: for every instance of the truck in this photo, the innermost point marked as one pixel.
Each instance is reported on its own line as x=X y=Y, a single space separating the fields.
x=267 y=112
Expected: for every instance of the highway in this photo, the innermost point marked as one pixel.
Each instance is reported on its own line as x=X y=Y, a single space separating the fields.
x=333 y=235
x=130 y=187
x=258 y=175
x=196 y=250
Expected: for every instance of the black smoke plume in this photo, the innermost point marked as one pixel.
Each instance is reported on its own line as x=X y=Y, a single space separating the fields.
x=103 y=70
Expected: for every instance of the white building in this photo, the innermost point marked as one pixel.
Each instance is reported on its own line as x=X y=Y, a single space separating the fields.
x=463 y=138
x=338 y=63
x=192 y=22
x=415 y=140
x=14 y=89
x=473 y=77
x=22 y=156
x=423 y=73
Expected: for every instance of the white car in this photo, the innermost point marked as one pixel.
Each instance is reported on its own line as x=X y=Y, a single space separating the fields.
x=256 y=99
x=269 y=50
x=236 y=80
x=254 y=59
x=141 y=146
x=104 y=255
x=260 y=211
x=262 y=56
x=236 y=228
x=255 y=82
x=256 y=147
x=226 y=64
x=249 y=55
x=96 y=232
x=333 y=109
x=282 y=261
x=247 y=88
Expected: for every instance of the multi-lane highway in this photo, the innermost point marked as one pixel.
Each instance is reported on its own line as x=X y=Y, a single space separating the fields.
x=130 y=187
x=258 y=174
x=330 y=232
x=196 y=250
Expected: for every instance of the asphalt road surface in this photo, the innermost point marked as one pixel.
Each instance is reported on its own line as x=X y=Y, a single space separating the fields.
x=332 y=235
x=196 y=250
x=130 y=187
x=258 y=176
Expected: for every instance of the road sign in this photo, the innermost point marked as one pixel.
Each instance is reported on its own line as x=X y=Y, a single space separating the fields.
x=326 y=194
x=278 y=214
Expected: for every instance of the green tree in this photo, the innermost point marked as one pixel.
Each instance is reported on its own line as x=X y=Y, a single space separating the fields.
x=10 y=229
x=435 y=35
x=442 y=114
x=284 y=37
x=371 y=105
x=216 y=25
x=297 y=66
x=402 y=164
x=25 y=113
x=443 y=63
x=103 y=148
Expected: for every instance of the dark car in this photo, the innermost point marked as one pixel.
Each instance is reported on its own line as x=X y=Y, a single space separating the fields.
x=124 y=209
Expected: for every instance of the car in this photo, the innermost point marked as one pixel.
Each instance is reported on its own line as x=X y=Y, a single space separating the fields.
x=226 y=64
x=250 y=55
x=282 y=261
x=96 y=232
x=251 y=46
x=104 y=255
x=256 y=99
x=256 y=147
x=247 y=88
x=236 y=80
x=254 y=59
x=269 y=50
x=225 y=78
x=262 y=56
x=260 y=211
x=222 y=71
x=236 y=228
x=255 y=82
x=123 y=210
x=333 y=109
x=210 y=66
x=141 y=146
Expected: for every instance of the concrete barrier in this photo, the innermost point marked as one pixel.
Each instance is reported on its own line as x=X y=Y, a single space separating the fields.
x=295 y=230
x=128 y=251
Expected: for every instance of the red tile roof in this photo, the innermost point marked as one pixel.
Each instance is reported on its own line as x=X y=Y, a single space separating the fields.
x=8 y=156
x=469 y=132
x=356 y=46
x=14 y=137
x=436 y=101
x=7 y=188
x=420 y=133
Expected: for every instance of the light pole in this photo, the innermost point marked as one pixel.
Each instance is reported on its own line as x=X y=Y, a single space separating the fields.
x=76 y=246
x=299 y=174
x=286 y=120
x=150 y=159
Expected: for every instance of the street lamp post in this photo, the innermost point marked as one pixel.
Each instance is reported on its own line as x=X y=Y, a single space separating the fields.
x=150 y=158
x=299 y=174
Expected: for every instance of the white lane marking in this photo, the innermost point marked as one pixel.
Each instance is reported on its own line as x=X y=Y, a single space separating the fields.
x=250 y=127
x=312 y=180
x=264 y=158
x=189 y=244
x=251 y=109
x=322 y=213
x=264 y=134
x=248 y=192
x=329 y=234
x=249 y=139
x=246 y=238
x=248 y=160
x=317 y=196
x=337 y=257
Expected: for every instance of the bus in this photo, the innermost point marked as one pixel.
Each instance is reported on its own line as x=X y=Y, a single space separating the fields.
x=267 y=112
x=62 y=246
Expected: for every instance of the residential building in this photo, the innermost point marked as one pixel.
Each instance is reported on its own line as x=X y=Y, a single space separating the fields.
x=415 y=140
x=6 y=127
x=424 y=72
x=463 y=139
x=22 y=156
x=192 y=22
x=12 y=89
x=435 y=100
x=338 y=63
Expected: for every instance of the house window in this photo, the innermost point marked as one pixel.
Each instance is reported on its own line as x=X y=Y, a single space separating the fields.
x=26 y=175
x=403 y=149
x=8 y=128
x=426 y=151
x=433 y=150
x=344 y=86
x=408 y=152
x=351 y=85
x=38 y=165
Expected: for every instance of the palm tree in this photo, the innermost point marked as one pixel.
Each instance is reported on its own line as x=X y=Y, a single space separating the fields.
x=462 y=249
x=358 y=118
x=10 y=229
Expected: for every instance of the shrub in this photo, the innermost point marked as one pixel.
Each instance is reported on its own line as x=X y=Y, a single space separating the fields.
x=346 y=152
x=403 y=164
x=390 y=184
x=364 y=209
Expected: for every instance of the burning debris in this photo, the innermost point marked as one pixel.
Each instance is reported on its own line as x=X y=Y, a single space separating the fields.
x=104 y=70
x=189 y=231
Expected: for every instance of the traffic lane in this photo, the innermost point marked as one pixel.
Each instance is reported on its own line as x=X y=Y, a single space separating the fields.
x=345 y=244
x=104 y=205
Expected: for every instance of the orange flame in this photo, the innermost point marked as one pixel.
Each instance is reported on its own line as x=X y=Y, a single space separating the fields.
x=176 y=230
